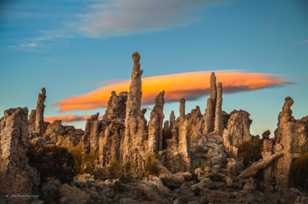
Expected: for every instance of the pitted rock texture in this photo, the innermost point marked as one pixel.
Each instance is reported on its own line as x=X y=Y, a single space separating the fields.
x=16 y=176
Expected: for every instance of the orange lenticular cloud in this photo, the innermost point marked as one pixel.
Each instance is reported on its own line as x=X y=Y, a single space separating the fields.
x=67 y=118
x=189 y=85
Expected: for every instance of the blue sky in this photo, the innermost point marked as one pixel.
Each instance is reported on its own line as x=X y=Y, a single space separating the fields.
x=74 y=46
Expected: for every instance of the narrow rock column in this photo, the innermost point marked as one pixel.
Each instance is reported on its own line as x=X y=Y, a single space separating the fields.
x=155 y=132
x=182 y=125
x=218 y=112
x=209 y=116
x=132 y=146
x=284 y=140
x=182 y=107
x=172 y=120
x=90 y=137
x=183 y=143
x=39 y=115
x=213 y=87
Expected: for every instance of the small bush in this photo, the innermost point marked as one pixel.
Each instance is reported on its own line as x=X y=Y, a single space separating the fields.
x=83 y=163
x=250 y=152
x=151 y=166
x=54 y=162
x=299 y=172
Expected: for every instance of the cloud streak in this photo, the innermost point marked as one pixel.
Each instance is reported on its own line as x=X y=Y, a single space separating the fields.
x=67 y=118
x=190 y=85
x=121 y=17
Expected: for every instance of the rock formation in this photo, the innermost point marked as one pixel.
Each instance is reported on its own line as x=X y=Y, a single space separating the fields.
x=237 y=131
x=209 y=116
x=39 y=124
x=109 y=144
x=90 y=138
x=123 y=158
x=218 y=124
x=284 y=139
x=116 y=106
x=132 y=146
x=155 y=131
x=16 y=176
x=213 y=117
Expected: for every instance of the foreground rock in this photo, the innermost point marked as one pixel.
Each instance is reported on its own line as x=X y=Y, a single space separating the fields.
x=18 y=181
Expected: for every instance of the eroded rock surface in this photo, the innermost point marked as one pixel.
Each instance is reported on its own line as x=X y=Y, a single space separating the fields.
x=16 y=176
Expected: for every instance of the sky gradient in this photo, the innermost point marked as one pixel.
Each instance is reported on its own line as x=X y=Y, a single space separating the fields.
x=73 y=47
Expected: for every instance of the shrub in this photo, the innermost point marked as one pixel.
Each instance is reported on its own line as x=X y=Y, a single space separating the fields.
x=54 y=162
x=299 y=172
x=250 y=152
x=83 y=163
x=151 y=165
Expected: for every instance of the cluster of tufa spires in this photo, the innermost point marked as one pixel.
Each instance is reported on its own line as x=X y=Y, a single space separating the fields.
x=212 y=140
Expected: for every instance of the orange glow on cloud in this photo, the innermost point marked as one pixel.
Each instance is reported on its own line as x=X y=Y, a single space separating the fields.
x=67 y=118
x=189 y=85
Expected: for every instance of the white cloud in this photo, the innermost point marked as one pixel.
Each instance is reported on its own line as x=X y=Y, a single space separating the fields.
x=120 y=17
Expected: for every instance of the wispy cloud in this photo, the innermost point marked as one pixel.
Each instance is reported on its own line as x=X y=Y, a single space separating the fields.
x=109 y=18
x=120 y=17
x=189 y=85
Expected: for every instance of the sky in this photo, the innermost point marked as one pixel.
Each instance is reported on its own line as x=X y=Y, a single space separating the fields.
x=73 y=47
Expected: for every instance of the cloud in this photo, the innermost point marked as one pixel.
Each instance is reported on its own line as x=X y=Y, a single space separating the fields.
x=96 y=18
x=121 y=17
x=189 y=85
x=67 y=118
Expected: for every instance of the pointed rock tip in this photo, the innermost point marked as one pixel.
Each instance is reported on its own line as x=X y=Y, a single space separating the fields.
x=136 y=57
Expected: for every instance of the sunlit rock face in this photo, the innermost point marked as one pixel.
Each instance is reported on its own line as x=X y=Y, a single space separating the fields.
x=155 y=126
x=133 y=143
x=16 y=176
x=237 y=131
x=291 y=138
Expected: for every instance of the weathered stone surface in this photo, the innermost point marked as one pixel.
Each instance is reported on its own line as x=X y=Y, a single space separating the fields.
x=237 y=131
x=285 y=136
x=132 y=146
x=209 y=153
x=62 y=136
x=183 y=143
x=259 y=165
x=90 y=137
x=194 y=120
x=109 y=143
x=218 y=124
x=39 y=115
x=213 y=118
x=116 y=106
x=155 y=130
x=182 y=107
x=209 y=116
x=16 y=176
